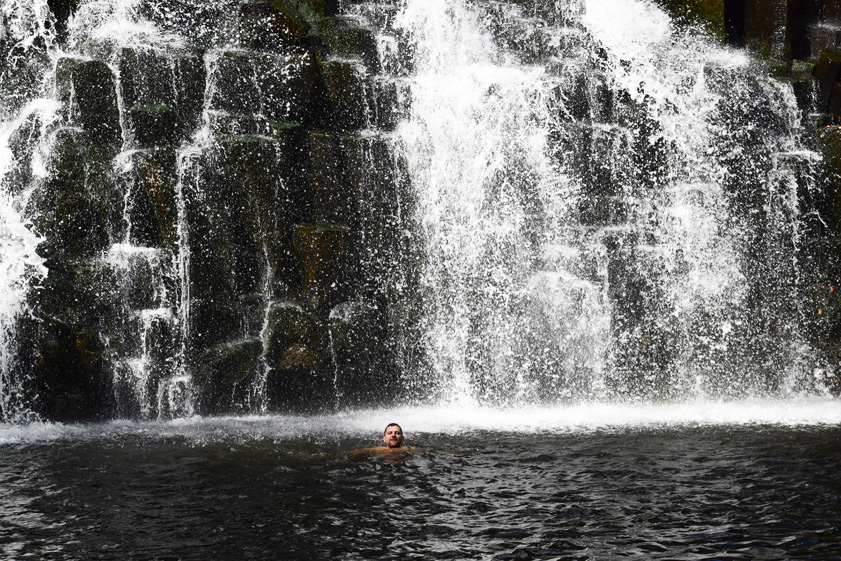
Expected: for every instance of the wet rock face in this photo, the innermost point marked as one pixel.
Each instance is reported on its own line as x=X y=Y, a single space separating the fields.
x=152 y=78
x=322 y=251
x=269 y=26
x=211 y=212
x=78 y=203
x=154 y=125
x=151 y=206
x=89 y=94
x=280 y=87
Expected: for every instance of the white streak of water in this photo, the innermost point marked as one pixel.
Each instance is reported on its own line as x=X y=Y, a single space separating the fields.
x=418 y=422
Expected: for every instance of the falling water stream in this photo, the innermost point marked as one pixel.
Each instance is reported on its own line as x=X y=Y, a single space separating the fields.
x=600 y=211
x=582 y=237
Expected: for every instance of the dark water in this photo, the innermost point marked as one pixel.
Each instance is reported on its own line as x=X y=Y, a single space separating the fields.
x=140 y=492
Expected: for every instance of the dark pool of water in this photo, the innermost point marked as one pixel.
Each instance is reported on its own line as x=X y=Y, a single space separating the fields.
x=756 y=492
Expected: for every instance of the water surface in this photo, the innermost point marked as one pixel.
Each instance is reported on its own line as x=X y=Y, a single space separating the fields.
x=576 y=483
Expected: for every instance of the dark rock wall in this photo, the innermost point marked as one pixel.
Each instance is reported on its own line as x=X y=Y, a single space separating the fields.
x=216 y=212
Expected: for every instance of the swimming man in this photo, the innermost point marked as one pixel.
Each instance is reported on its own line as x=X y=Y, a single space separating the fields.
x=392 y=438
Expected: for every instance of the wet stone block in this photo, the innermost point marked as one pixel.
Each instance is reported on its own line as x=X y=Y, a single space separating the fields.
x=829 y=144
x=245 y=191
x=344 y=39
x=391 y=103
x=347 y=88
x=255 y=191
x=71 y=380
x=289 y=324
x=146 y=77
x=213 y=321
x=597 y=159
x=62 y=10
x=832 y=12
x=779 y=28
x=235 y=88
x=824 y=37
x=135 y=277
x=375 y=229
x=322 y=253
x=396 y=53
x=328 y=178
x=207 y=240
x=152 y=210
x=175 y=79
x=270 y=25
x=763 y=21
x=154 y=125
x=79 y=205
x=279 y=87
x=89 y=94
x=218 y=370
x=828 y=72
x=289 y=88
x=602 y=211
x=835 y=99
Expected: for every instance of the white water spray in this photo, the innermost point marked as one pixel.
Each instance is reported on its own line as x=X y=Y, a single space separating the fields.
x=578 y=201
x=22 y=25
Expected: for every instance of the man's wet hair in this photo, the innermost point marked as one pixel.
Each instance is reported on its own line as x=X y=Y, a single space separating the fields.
x=392 y=425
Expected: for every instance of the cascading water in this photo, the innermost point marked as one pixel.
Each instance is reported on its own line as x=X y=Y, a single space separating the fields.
x=608 y=207
x=24 y=28
x=536 y=201
x=136 y=278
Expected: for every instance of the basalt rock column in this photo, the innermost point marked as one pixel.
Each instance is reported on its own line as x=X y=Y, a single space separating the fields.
x=168 y=182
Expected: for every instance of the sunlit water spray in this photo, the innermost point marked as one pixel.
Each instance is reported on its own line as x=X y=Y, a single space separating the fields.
x=504 y=303
x=25 y=27
x=600 y=206
x=604 y=210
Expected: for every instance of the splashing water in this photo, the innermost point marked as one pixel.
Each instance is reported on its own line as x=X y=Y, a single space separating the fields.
x=606 y=207
x=600 y=205
x=25 y=26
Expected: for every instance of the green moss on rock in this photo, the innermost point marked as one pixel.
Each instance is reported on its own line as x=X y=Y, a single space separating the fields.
x=154 y=125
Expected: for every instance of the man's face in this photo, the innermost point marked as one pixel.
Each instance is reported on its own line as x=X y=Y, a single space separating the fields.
x=393 y=436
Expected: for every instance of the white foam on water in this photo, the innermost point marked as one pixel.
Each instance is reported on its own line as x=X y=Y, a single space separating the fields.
x=417 y=421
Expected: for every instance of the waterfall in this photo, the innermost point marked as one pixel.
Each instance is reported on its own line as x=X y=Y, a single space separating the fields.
x=607 y=206
x=24 y=29
x=241 y=206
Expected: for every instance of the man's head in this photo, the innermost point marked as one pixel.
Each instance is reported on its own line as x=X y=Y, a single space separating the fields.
x=393 y=436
